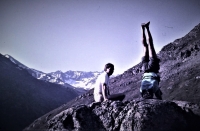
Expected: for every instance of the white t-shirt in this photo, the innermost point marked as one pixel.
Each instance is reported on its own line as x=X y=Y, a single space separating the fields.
x=103 y=78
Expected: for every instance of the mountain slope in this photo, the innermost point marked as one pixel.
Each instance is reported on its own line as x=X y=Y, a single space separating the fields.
x=23 y=98
x=180 y=80
x=179 y=71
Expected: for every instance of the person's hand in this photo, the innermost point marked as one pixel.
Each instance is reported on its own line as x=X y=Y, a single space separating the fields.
x=106 y=99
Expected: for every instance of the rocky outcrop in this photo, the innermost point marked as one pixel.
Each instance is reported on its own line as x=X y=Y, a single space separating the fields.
x=135 y=115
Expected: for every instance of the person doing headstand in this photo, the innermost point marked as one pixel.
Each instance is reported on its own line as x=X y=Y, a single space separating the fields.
x=150 y=67
x=101 y=89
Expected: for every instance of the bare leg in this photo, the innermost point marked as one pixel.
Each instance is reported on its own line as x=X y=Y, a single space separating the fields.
x=144 y=42
x=152 y=52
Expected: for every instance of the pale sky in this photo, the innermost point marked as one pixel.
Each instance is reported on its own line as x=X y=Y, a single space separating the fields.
x=84 y=35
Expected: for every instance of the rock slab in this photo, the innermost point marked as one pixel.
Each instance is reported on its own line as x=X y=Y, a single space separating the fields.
x=135 y=115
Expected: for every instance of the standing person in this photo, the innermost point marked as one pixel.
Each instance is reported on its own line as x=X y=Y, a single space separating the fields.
x=101 y=90
x=150 y=67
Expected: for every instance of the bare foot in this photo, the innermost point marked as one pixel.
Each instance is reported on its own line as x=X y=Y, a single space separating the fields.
x=147 y=24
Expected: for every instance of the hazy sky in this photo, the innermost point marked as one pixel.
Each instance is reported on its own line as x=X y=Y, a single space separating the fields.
x=84 y=35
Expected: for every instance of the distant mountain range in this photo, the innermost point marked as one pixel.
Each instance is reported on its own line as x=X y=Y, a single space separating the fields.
x=27 y=94
x=78 y=79
x=82 y=81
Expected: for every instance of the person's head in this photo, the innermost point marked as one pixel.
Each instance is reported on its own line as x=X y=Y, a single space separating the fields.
x=109 y=69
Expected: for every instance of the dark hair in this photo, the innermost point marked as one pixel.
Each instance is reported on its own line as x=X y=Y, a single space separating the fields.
x=108 y=65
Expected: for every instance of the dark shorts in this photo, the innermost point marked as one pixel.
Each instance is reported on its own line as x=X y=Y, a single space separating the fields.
x=149 y=83
x=116 y=97
x=150 y=64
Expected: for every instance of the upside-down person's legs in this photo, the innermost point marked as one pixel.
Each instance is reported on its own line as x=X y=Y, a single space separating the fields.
x=144 y=42
x=145 y=57
x=152 y=52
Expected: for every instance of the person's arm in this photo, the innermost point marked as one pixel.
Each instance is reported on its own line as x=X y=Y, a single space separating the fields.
x=104 y=89
x=108 y=91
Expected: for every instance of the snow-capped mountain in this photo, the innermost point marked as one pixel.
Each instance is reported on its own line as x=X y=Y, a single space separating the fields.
x=37 y=74
x=79 y=80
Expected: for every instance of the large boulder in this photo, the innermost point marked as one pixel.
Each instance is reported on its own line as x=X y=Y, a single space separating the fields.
x=135 y=115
